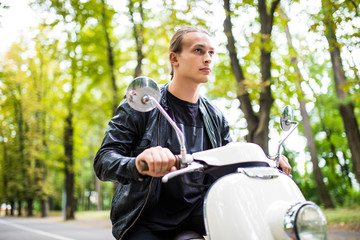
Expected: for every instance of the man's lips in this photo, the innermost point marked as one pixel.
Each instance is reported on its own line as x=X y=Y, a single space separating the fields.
x=206 y=70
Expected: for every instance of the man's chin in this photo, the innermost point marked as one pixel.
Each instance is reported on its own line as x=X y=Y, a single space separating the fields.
x=204 y=79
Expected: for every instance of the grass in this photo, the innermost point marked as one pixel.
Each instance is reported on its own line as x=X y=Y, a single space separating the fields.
x=93 y=214
x=343 y=218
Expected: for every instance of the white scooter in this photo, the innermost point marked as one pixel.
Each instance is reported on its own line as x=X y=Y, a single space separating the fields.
x=252 y=198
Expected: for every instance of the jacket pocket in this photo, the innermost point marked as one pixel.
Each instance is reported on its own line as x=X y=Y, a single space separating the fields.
x=116 y=202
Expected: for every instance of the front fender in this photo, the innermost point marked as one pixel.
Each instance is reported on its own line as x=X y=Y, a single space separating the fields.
x=239 y=205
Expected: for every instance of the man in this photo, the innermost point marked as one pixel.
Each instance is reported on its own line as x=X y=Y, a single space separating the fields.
x=143 y=207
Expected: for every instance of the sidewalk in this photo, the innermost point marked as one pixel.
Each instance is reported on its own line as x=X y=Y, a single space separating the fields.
x=83 y=221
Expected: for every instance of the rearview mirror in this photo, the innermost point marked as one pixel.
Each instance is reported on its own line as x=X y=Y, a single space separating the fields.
x=139 y=94
x=286 y=118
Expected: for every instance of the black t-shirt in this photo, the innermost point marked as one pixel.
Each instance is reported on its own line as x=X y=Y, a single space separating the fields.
x=177 y=202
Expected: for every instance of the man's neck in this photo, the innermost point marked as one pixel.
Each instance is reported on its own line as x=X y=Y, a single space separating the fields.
x=183 y=91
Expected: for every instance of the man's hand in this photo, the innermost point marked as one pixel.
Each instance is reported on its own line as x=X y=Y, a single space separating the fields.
x=159 y=161
x=284 y=164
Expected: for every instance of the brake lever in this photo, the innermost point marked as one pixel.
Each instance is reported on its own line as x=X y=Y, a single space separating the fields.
x=192 y=167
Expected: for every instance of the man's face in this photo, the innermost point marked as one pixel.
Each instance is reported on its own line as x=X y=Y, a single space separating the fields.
x=195 y=62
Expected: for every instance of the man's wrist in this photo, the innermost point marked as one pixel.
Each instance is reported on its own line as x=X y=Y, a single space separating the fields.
x=134 y=172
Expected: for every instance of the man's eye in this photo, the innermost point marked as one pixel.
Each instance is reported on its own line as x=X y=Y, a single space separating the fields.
x=198 y=50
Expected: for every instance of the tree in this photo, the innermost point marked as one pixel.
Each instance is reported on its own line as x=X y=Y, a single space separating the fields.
x=257 y=123
x=346 y=106
x=138 y=32
x=19 y=181
x=322 y=189
x=110 y=54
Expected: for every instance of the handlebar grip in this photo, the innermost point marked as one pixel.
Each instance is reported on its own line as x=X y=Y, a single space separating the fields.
x=143 y=166
x=177 y=162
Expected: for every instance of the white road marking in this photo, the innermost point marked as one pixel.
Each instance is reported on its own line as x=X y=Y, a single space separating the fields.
x=35 y=231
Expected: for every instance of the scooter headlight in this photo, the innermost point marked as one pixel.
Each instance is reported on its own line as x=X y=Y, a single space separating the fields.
x=305 y=221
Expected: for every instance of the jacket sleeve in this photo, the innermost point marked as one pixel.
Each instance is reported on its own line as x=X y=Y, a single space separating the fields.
x=115 y=160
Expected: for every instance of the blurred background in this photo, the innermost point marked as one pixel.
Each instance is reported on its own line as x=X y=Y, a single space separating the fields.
x=65 y=66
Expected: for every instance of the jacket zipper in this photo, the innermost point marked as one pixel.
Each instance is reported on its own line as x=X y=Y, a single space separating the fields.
x=148 y=194
x=137 y=217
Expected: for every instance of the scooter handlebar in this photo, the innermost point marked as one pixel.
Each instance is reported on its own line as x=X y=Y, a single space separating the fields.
x=193 y=167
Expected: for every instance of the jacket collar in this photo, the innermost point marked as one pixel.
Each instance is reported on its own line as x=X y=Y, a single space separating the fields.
x=164 y=90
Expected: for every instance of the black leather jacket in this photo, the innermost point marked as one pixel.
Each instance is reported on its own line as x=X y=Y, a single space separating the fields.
x=129 y=133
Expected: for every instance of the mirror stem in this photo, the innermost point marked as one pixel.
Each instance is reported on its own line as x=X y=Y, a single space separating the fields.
x=277 y=157
x=173 y=124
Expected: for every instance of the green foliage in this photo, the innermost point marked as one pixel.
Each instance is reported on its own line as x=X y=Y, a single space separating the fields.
x=68 y=52
x=332 y=144
x=224 y=83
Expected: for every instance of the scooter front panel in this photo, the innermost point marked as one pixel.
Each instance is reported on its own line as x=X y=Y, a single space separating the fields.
x=241 y=207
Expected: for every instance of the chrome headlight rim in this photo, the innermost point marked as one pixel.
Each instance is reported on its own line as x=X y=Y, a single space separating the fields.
x=291 y=217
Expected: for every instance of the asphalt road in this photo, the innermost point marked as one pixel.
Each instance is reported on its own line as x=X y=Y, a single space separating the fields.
x=343 y=235
x=52 y=228
x=13 y=228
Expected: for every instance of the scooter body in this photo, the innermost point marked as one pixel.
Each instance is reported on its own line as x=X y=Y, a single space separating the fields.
x=251 y=203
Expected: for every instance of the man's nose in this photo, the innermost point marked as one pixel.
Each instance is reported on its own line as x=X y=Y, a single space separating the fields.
x=207 y=58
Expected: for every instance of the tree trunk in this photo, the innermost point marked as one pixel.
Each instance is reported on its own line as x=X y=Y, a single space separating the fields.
x=30 y=207
x=45 y=200
x=110 y=56
x=23 y=163
x=7 y=210
x=45 y=207
x=346 y=107
x=266 y=100
x=5 y=167
x=19 y=208
x=68 y=143
x=258 y=125
x=20 y=123
x=242 y=92
x=69 y=168
x=111 y=63
x=321 y=187
x=138 y=35
x=12 y=206
x=353 y=135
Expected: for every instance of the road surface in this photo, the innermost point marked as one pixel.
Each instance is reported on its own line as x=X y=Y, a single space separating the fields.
x=54 y=228
x=14 y=228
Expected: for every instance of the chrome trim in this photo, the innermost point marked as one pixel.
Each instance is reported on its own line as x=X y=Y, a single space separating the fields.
x=254 y=172
x=290 y=218
x=193 y=167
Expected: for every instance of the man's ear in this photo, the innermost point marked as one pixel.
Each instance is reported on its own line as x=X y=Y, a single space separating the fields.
x=173 y=58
